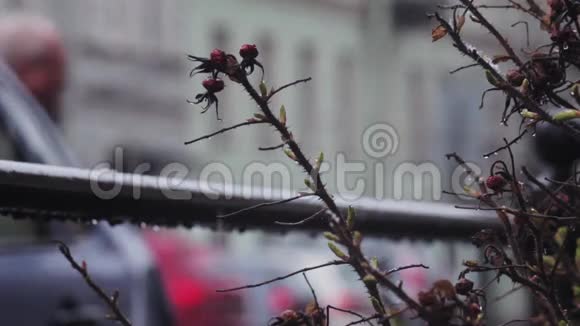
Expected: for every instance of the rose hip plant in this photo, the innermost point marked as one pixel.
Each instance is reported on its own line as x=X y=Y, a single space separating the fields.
x=537 y=249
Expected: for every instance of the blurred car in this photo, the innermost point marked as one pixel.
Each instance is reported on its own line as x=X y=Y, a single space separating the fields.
x=189 y=274
x=38 y=285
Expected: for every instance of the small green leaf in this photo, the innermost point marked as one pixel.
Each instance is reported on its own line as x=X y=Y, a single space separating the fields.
x=369 y=279
x=566 y=115
x=263 y=89
x=283 y=115
x=375 y=263
x=259 y=116
x=290 y=154
x=350 y=215
x=549 y=260
x=310 y=185
x=337 y=251
x=525 y=88
x=319 y=161
x=331 y=236
x=529 y=114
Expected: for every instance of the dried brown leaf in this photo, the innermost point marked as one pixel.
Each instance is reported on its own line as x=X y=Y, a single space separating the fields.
x=500 y=58
x=438 y=33
x=444 y=288
x=460 y=21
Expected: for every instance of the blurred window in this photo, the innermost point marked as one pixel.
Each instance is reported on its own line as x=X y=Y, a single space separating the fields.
x=170 y=25
x=411 y=14
x=152 y=22
x=419 y=110
x=345 y=100
x=460 y=119
x=307 y=99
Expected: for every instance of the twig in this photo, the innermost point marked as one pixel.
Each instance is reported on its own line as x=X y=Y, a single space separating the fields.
x=111 y=301
x=311 y=290
x=364 y=320
x=398 y=269
x=251 y=208
x=281 y=88
x=525 y=23
x=534 y=7
x=309 y=218
x=461 y=162
x=545 y=189
x=271 y=148
x=221 y=131
x=345 y=311
x=482 y=103
x=514 y=177
x=512 y=291
x=507 y=145
x=567 y=184
x=378 y=317
x=463 y=67
x=502 y=41
x=250 y=286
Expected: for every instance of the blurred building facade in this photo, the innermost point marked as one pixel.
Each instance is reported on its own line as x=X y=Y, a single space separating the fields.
x=371 y=62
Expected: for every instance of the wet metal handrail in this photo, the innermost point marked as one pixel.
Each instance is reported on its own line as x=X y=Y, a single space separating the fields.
x=63 y=193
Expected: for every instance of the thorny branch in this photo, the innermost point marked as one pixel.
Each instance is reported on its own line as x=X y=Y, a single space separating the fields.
x=262 y=205
x=276 y=279
x=221 y=131
x=337 y=221
x=341 y=232
x=110 y=301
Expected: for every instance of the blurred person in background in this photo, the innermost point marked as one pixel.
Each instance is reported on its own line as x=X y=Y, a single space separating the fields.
x=33 y=48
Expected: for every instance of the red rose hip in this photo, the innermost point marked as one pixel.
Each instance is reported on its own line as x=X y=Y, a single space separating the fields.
x=495 y=182
x=218 y=57
x=213 y=85
x=249 y=51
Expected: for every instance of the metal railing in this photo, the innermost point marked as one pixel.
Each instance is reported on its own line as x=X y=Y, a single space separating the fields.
x=63 y=193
